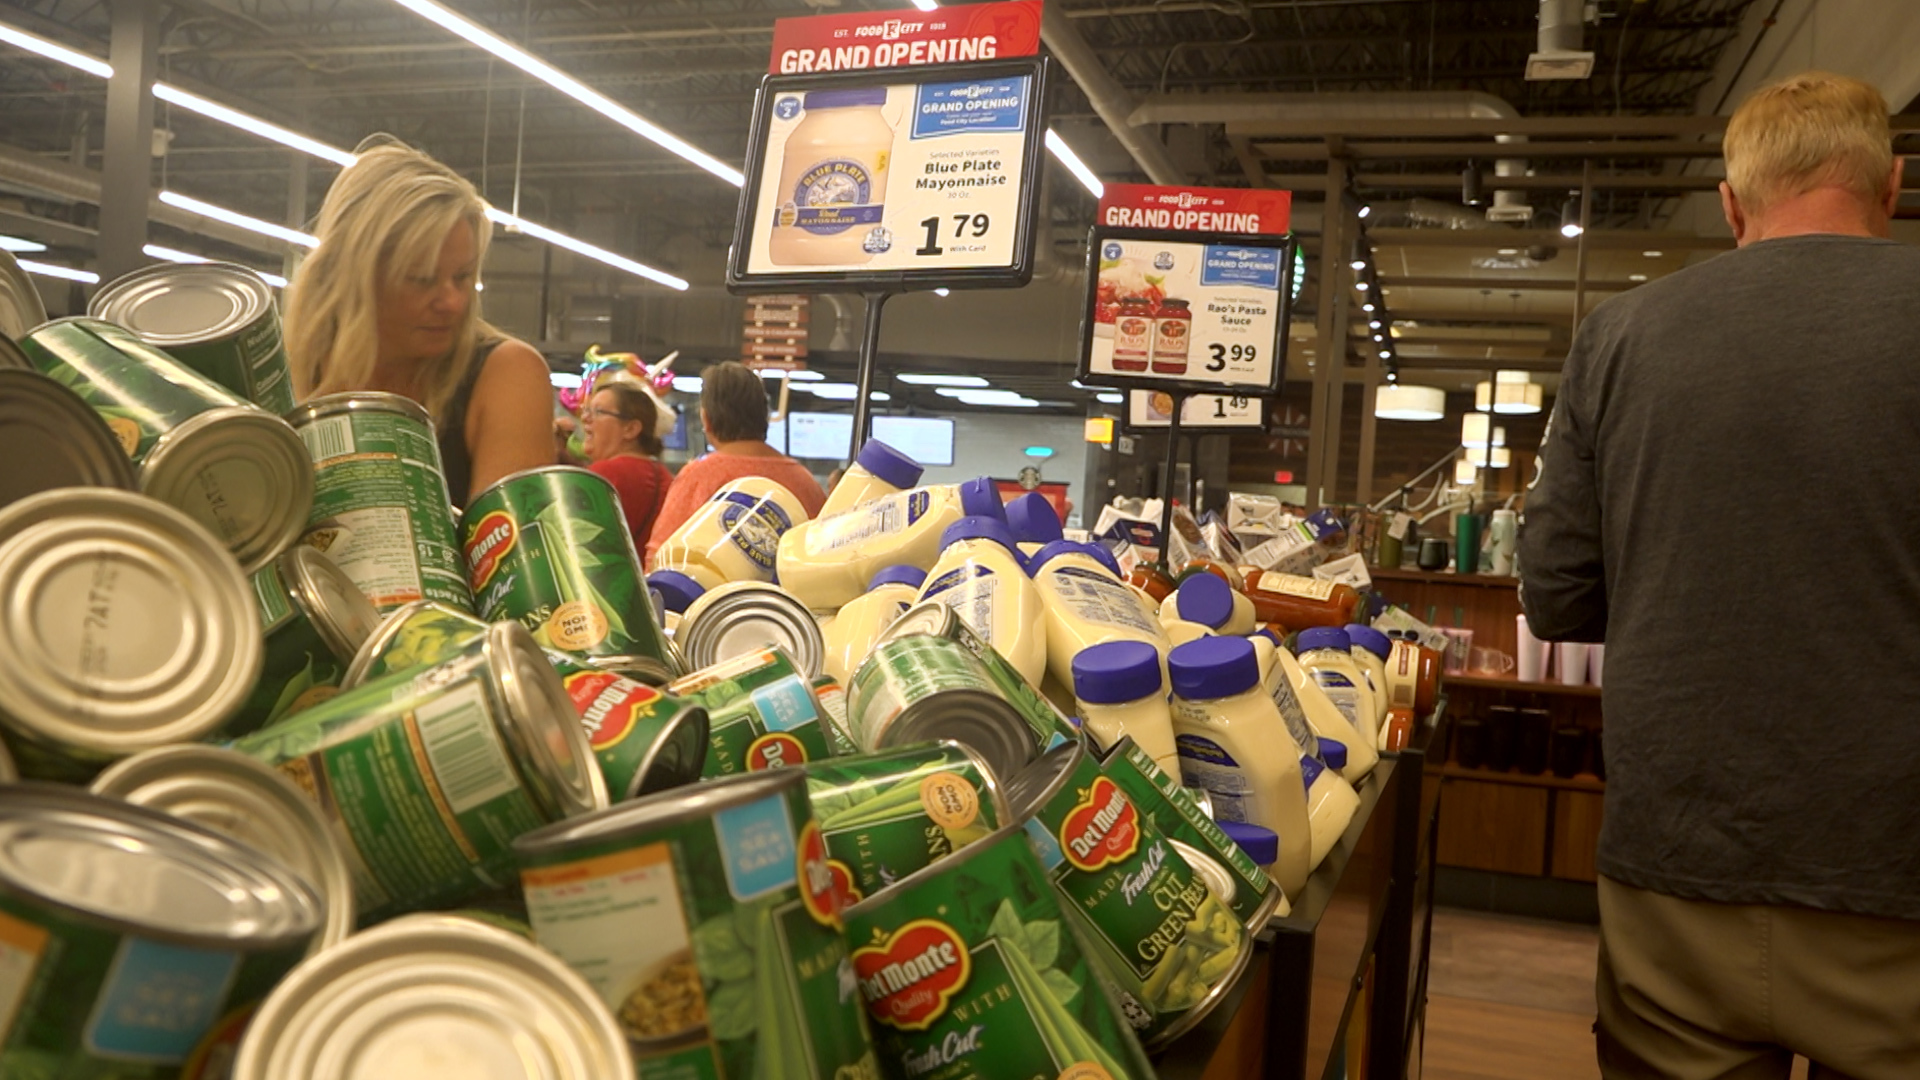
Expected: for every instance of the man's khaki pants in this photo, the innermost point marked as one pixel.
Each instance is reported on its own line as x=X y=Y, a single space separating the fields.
x=1691 y=990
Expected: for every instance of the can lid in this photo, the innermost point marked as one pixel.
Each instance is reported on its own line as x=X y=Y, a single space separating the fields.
x=242 y=472
x=1033 y=520
x=978 y=528
x=1206 y=600
x=378 y=643
x=980 y=497
x=1333 y=752
x=1035 y=785
x=51 y=438
x=887 y=463
x=125 y=866
x=926 y=617
x=434 y=995
x=1366 y=637
x=92 y=576
x=337 y=608
x=20 y=306
x=911 y=576
x=1220 y=881
x=984 y=722
x=1213 y=667
x=352 y=401
x=171 y=304
x=1323 y=637
x=12 y=356
x=240 y=798
x=1117 y=672
x=743 y=617
x=677 y=590
x=550 y=745
x=1261 y=845
x=650 y=670
x=690 y=803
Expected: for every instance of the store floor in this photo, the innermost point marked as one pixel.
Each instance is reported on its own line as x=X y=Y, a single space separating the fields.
x=1512 y=999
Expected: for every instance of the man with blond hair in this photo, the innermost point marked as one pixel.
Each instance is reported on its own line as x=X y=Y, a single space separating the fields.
x=1726 y=499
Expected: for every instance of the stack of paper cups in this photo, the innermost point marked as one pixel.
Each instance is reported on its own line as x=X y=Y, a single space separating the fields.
x=1572 y=661
x=1596 y=659
x=1532 y=659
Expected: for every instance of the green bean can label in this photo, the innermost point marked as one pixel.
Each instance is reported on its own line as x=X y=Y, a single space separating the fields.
x=1172 y=810
x=970 y=971
x=886 y=815
x=550 y=549
x=761 y=714
x=141 y=392
x=715 y=941
x=381 y=510
x=626 y=722
x=299 y=670
x=418 y=781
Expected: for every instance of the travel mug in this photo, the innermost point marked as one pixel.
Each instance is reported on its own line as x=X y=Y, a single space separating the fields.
x=1433 y=553
x=1469 y=743
x=1503 y=534
x=1501 y=724
x=1569 y=752
x=1533 y=735
x=1466 y=544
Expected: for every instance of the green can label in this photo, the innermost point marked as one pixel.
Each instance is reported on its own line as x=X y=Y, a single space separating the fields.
x=550 y=548
x=141 y=392
x=887 y=815
x=299 y=670
x=251 y=362
x=741 y=971
x=1050 y=728
x=418 y=781
x=971 y=972
x=380 y=508
x=906 y=670
x=761 y=714
x=1173 y=812
x=833 y=709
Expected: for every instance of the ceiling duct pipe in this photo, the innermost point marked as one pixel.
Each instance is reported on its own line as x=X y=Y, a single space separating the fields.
x=1110 y=100
x=71 y=183
x=1334 y=108
x=1557 y=53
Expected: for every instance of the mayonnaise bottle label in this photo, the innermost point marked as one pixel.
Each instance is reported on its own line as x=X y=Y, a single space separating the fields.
x=1205 y=764
x=835 y=195
x=754 y=525
x=1344 y=695
x=969 y=590
x=881 y=517
x=1292 y=712
x=1096 y=598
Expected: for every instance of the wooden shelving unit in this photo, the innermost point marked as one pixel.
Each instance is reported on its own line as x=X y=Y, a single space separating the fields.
x=1502 y=682
x=1581 y=782
x=1441 y=577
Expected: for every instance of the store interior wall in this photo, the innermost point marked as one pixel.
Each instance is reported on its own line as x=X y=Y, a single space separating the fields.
x=994 y=444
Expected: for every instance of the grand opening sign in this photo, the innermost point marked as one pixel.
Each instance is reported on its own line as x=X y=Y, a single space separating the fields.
x=862 y=40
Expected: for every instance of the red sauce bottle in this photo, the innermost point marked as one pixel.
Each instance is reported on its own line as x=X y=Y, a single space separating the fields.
x=1133 y=334
x=1172 y=334
x=1300 y=602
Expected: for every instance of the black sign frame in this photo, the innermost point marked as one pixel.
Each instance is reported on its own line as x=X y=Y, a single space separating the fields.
x=1189 y=428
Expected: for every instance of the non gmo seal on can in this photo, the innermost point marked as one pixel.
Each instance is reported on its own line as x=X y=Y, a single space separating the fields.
x=744 y=617
x=888 y=814
x=428 y=775
x=239 y=798
x=92 y=577
x=314 y=619
x=709 y=921
x=970 y=967
x=1170 y=948
x=550 y=548
x=133 y=938
x=50 y=438
x=761 y=714
x=921 y=687
x=216 y=318
x=380 y=505
x=236 y=469
x=434 y=996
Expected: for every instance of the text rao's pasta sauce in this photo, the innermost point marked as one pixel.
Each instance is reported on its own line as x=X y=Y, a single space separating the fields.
x=833 y=181
x=1133 y=334
x=1172 y=326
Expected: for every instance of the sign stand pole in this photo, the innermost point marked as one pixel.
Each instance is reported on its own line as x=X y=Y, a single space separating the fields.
x=869 y=352
x=1166 y=488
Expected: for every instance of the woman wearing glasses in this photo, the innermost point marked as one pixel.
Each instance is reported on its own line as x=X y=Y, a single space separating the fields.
x=620 y=428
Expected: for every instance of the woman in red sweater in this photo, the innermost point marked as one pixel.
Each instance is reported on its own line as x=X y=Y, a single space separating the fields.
x=620 y=429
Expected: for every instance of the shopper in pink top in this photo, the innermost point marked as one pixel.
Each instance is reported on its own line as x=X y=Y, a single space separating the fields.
x=733 y=410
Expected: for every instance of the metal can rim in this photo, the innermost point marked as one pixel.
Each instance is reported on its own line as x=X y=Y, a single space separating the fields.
x=946 y=865
x=113 y=302
x=760 y=597
x=1070 y=755
x=352 y=401
x=300 y=568
x=107 y=464
x=288 y=466
x=670 y=807
x=685 y=715
x=533 y=696
x=383 y=635
x=902 y=729
x=1218 y=990
x=21 y=297
x=537 y=470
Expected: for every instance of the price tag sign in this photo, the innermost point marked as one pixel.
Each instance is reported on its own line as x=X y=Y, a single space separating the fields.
x=1213 y=412
x=895 y=151
x=1188 y=289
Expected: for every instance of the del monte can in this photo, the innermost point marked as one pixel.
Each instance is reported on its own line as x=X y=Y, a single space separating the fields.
x=216 y=318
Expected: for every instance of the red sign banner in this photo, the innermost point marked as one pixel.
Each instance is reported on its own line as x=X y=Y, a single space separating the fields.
x=1243 y=211
x=892 y=39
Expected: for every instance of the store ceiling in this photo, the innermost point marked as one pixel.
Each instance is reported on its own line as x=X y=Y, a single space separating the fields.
x=343 y=69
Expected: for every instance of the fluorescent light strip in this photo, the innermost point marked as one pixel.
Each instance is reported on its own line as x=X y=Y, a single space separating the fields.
x=919 y=379
x=1074 y=165
x=35 y=44
x=65 y=273
x=234 y=217
x=15 y=243
x=560 y=239
x=573 y=88
x=927 y=5
x=235 y=118
x=155 y=251
x=802 y=375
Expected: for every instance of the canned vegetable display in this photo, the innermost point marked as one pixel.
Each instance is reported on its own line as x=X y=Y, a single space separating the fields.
x=216 y=318
x=50 y=438
x=314 y=620
x=888 y=814
x=761 y=714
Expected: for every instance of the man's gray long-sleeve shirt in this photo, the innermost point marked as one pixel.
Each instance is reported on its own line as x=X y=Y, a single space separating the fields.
x=1730 y=499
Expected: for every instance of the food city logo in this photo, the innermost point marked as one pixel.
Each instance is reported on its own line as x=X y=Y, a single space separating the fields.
x=493 y=537
x=891 y=30
x=1101 y=830
x=908 y=977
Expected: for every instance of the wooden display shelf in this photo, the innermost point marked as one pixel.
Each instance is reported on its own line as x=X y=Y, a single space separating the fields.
x=1501 y=682
x=1442 y=577
x=1582 y=782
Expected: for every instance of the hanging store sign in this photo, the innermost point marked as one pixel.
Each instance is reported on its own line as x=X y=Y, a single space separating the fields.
x=775 y=332
x=1210 y=412
x=1239 y=211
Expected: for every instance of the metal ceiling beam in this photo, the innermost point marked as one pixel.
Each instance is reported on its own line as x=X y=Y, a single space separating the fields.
x=1451 y=182
x=1108 y=97
x=1494 y=238
x=1449 y=151
x=1544 y=127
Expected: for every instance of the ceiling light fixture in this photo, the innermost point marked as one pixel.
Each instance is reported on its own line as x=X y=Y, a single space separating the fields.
x=581 y=247
x=1464 y=473
x=1110 y=399
x=1474 y=429
x=1510 y=393
x=842 y=392
x=1386 y=354
x=213 y=110
x=923 y=379
x=1059 y=148
x=926 y=5
x=1570 y=226
x=688 y=384
x=1361 y=285
x=1636 y=277
x=1471 y=191
x=1368 y=306
x=802 y=375
x=234 y=217
x=1364 y=211
x=942 y=292
x=15 y=243
x=65 y=273
x=33 y=43
x=167 y=254
x=1653 y=254
x=1422 y=403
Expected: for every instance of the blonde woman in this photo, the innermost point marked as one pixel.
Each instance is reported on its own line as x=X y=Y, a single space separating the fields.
x=388 y=302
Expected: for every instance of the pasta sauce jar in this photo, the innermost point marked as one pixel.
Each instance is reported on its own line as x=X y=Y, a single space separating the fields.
x=1172 y=331
x=1133 y=334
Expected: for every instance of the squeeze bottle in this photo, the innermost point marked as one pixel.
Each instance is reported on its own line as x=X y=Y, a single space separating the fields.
x=1211 y=602
x=1370 y=649
x=1331 y=801
x=1326 y=654
x=1292 y=688
x=878 y=469
x=1233 y=744
x=981 y=578
x=1296 y=602
x=1120 y=690
x=735 y=535
x=828 y=561
x=1087 y=605
x=1033 y=522
x=851 y=634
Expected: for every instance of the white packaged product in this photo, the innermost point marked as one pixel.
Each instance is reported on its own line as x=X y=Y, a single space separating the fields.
x=981 y=577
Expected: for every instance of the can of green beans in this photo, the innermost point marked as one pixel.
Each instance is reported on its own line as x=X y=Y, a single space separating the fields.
x=1178 y=815
x=888 y=814
x=1050 y=727
x=314 y=619
x=550 y=548
x=709 y=921
x=919 y=687
x=428 y=775
x=833 y=710
x=50 y=438
x=380 y=507
x=761 y=714
x=216 y=318
x=1157 y=932
x=236 y=469
x=643 y=740
x=132 y=938
x=970 y=970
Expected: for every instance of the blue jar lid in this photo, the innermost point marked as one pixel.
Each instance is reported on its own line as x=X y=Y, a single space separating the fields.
x=1334 y=753
x=1116 y=672
x=1032 y=519
x=1206 y=600
x=1267 y=632
x=677 y=590
x=979 y=528
x=979 y=497
x=840 y=99
x=1262 y=845
x=1323 y=637
x=1050 y=552
x=1104 y=556
x=1310 y=769
x=889 y=464
x=898 y=575
x=1213 y=667
x=1366 y=637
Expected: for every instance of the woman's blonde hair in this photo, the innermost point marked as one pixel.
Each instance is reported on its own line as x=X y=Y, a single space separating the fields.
x=383 y=221
x=1812 y=130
